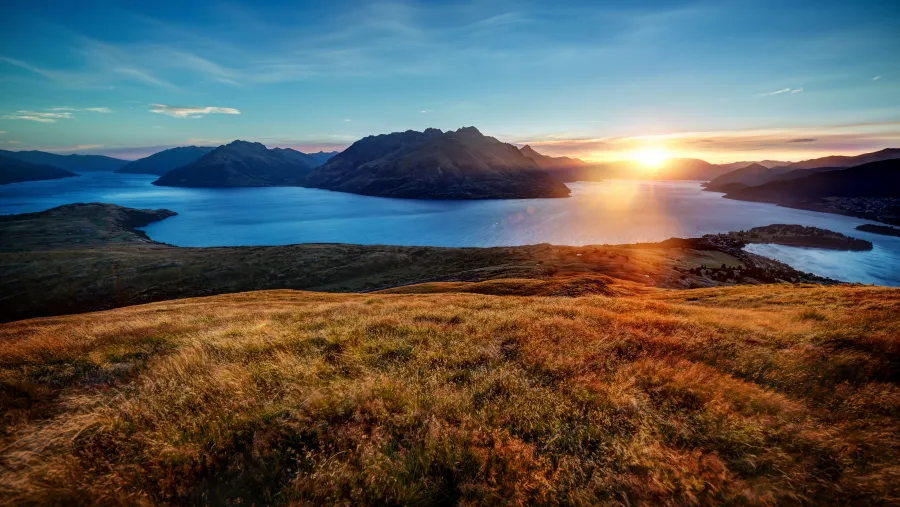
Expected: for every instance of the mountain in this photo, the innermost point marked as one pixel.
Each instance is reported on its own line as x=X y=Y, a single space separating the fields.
x=867 y=191
x=73 y=163
x=844 y=161
x=564 y=169
x=546 y=162
x=757 y=176
x=322 y=156
x=461 y=164
x=753 y=174
x=14 y=171
x=242 y=164
x=166 y=160
x=765 y=163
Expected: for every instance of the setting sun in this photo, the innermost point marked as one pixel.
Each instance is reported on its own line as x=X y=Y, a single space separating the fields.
x=651 y=158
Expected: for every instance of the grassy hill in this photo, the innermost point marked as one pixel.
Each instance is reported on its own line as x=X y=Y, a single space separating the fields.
x=758 y=395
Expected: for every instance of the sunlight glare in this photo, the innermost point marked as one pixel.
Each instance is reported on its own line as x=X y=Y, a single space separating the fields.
x=651 y=158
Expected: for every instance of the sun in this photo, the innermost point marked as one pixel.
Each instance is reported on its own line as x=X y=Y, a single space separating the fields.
x=651 y=158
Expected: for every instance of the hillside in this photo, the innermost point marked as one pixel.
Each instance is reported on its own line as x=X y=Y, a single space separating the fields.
x=242 y=164
x=869 y=191
x=15 y=171
x=166 y=160
x=769 y=395
x=461 y=164
x=73 y=163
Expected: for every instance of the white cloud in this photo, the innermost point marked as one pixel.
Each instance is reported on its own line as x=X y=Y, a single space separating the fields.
x=190 y=112
x=76 y=147
x=876 y=78
x=426 y=111
x=346 y=119
x=779 y=92
x=90 y=109
x=37 y=116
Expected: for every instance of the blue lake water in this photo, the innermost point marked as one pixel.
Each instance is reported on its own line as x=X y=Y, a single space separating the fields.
x=611 y=212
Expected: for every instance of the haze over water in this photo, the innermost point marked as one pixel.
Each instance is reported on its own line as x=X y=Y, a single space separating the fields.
x=611 y=212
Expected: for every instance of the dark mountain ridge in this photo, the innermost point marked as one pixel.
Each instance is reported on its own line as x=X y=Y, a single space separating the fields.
x=15 y=171
x=242 y=164
x=164 y=161
x=461 y=164
x=73 y=163
x=869 y=191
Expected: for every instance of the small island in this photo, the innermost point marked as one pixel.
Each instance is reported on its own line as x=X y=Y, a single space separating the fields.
x=793 y=235
x=885 y=230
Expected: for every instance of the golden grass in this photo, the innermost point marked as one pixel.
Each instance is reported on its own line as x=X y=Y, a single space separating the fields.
x=746 y=395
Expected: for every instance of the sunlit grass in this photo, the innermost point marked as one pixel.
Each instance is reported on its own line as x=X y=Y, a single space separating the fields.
x=756 y=395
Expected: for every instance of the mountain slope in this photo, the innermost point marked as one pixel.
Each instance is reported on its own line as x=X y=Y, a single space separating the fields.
x=166 y=160
x=73 y=163
x=242 y=164
x=14 y=171
x=461 y=164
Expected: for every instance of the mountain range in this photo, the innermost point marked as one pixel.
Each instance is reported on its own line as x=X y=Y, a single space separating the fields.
x=758 y=174
x=460 y=164
x=242 y=164
x=164 y=161
x=15 y=171
x=73 y=163
x=868 y=191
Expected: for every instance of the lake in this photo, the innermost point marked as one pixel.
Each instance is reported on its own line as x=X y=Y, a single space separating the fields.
x=612 y=212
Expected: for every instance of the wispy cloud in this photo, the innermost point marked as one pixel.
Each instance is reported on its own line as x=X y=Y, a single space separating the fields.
x=89 y=109
x=876 y=78
x=190 y=112
x=779 y=92
x=77 y=147
x=2 y=132
x=426 y=111
x=803 y=140
x=38 y=116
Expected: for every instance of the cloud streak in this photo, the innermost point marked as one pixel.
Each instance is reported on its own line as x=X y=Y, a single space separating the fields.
x=190 y=112
x=779 y=92
x=38 y=116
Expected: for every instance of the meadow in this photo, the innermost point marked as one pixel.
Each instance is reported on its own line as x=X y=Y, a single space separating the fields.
x=756 y=395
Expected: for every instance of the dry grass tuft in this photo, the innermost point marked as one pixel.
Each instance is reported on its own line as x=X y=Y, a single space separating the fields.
x=744 y=395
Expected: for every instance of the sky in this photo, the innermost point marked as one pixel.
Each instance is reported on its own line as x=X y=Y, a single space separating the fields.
x=723 y=80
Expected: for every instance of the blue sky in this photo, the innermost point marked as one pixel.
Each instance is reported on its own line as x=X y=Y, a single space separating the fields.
x=724 y=80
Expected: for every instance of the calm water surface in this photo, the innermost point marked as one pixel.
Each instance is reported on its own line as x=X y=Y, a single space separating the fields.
x=615 y=211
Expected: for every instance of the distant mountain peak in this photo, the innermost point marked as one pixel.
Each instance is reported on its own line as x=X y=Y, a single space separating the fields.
x=468 y=130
